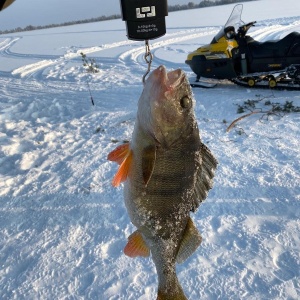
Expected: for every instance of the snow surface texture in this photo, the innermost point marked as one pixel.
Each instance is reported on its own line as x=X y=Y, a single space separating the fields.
x=63 y=226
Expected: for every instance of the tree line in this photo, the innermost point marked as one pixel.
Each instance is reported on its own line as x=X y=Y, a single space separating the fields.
x=203 y=3
x=177 y=7
x=31 y=27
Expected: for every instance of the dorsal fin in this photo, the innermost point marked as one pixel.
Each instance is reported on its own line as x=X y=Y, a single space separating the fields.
x=205 y=175
x=191 y=240
x=136 y=246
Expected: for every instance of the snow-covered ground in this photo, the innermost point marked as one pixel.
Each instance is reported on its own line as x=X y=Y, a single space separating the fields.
x=63 y=226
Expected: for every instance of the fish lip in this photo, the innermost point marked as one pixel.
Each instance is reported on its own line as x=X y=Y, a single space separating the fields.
x=175 y=78
x=170 y=79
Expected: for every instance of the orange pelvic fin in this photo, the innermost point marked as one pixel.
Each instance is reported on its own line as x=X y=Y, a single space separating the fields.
x=119 y=154
x=136 y=246
x=123 y=156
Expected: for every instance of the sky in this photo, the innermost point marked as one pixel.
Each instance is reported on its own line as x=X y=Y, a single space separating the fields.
x=36 y=12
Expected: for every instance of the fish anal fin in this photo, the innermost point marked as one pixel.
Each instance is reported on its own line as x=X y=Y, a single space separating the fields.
x=136 y=246
x=123 y=170
x=119 y=154
x=148 y=162
x=190 y=242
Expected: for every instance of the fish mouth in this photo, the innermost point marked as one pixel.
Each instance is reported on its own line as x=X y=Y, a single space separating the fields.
x=170 y=79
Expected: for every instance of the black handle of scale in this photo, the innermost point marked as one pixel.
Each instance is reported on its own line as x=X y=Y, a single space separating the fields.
x=145 y=19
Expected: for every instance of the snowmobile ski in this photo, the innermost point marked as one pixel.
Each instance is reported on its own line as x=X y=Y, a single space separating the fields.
x=202 y=84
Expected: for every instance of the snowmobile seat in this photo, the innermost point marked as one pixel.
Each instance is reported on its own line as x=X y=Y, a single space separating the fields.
x=277 y=48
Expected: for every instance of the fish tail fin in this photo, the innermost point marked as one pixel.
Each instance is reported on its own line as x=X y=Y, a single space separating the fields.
x=169 y=287
x=177 y=293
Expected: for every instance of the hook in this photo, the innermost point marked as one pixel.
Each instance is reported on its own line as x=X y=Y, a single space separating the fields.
x=148 y=58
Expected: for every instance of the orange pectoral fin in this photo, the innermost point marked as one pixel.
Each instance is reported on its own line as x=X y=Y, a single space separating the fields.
x=136 y=246
x=148 y=162
x=119 y=154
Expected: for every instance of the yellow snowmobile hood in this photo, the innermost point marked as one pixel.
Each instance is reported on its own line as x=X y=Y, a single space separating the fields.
x=220 y=49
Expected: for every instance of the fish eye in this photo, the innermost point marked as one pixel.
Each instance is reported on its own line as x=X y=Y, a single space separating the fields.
x=186 y=102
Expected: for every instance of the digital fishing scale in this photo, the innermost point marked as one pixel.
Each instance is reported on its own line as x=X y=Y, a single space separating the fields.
x=145 y=20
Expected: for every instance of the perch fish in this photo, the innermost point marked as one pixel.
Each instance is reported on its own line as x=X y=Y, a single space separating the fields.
x=167 y=172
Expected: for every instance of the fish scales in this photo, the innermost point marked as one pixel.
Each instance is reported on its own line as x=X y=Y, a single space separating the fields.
x=169 y=183
x=167 y=172
x=165 y=197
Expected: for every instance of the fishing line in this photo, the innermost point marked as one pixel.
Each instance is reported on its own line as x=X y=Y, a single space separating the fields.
x=92 y=100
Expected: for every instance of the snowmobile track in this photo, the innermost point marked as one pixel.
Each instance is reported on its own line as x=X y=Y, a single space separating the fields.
x=279 y=87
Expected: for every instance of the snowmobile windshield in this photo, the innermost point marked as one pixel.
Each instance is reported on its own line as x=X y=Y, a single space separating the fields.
x=234 y=20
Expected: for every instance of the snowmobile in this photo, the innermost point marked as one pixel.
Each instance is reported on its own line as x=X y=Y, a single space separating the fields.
x=234 y=55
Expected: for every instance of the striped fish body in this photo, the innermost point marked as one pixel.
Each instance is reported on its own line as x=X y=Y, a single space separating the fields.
x=167 y=173
x=160 y=210
x=161 y=207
